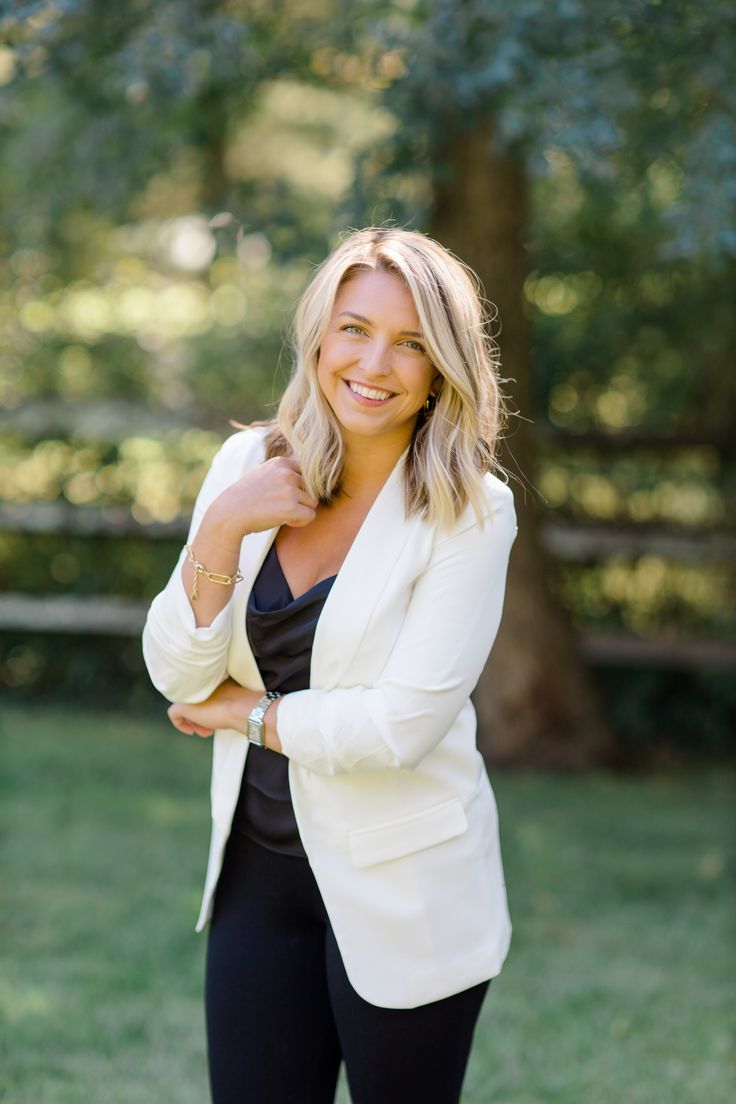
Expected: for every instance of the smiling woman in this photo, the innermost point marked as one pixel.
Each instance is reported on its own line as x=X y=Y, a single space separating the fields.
x=331 y=613
x=375 y=360
x=413 y=314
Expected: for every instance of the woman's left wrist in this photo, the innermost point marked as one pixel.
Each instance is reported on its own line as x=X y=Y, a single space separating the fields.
x=270 y=732
x=240 y=709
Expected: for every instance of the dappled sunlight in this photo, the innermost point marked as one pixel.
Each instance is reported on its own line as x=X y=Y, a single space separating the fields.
x=156 y=478
x=678 y=490
x=76 y=371
x=259 y=152
x=154 y=291
x=651 y=596
x=228 y=305
x=665 y=179
x=188 y=243
x=142 y=325
x=87 y=314
x=622 y=400
x=307 y=137
x=562 y=294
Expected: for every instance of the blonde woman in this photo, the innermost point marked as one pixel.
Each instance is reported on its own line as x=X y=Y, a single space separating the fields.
x=330 y=615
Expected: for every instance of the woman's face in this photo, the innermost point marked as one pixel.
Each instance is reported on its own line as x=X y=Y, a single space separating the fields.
x=373 y=368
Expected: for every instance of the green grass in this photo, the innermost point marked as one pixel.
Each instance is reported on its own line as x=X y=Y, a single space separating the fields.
x=618 y=987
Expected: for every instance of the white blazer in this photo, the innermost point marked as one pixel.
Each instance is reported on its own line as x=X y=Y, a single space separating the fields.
x=391 y=796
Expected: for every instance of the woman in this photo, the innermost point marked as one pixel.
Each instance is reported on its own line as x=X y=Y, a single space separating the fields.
x=350 y=558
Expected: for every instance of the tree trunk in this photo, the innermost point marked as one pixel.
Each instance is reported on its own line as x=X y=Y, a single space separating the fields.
x=534 y=701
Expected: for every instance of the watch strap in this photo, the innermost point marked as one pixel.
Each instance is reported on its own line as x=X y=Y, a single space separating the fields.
x=255 y=718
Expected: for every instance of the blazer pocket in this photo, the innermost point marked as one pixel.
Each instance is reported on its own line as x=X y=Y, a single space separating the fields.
x=404 y=835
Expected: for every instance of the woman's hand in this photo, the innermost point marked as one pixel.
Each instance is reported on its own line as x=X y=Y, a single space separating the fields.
x=228 y=707
x=266 y=497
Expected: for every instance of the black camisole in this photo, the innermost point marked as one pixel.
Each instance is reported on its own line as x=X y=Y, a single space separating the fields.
x=280 y=631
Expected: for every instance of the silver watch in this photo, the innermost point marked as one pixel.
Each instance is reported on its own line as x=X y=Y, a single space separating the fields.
x=255 y=720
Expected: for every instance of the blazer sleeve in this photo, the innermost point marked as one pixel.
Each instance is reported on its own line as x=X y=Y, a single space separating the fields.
x=447 y=635
x=187 y=663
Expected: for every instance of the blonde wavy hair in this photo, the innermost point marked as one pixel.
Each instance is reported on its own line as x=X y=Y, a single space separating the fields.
x=454 y=443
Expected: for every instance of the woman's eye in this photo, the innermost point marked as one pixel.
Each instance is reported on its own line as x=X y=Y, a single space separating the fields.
x=415 y=345
x=352 y=328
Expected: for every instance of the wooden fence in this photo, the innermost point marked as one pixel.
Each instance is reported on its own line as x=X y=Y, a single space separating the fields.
x=569 y=542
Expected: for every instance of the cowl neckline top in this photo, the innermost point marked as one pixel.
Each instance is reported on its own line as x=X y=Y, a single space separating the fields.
x=280 y=630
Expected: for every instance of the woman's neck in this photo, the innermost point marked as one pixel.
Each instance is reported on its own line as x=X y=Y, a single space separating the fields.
x=367 y=464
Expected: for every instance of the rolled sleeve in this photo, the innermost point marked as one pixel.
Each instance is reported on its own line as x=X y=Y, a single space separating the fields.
x=187 y=663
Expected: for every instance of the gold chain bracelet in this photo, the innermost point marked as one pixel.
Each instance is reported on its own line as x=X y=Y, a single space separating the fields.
x=213 y=576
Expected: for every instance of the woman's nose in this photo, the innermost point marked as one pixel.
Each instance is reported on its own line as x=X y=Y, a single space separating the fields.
x=376 y=360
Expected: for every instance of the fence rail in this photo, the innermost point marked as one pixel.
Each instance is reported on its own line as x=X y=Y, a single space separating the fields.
x=113 y=419
x=110 y=616
x=567 y=540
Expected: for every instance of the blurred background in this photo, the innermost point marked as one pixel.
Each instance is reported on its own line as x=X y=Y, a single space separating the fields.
x=171 y=174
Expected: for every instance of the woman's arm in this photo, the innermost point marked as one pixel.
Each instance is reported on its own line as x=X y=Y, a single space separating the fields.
x=445 y=640
x=447 y=635
x=186 y=640
x=187 y=661
x=229 y=706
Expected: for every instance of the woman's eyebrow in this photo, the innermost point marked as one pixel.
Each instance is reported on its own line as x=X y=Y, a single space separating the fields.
x=362 y=318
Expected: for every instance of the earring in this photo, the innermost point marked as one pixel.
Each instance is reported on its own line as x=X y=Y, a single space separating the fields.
x=430 y=403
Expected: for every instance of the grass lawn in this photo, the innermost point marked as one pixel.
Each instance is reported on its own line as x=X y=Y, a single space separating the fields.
x=618 y=988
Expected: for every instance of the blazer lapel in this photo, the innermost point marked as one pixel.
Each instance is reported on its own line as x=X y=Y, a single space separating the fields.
x=352 y=598
x=241 y=661
x=360 y=582
x=231 y=746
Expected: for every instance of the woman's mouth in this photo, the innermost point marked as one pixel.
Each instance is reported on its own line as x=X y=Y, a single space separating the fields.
x=368 y=396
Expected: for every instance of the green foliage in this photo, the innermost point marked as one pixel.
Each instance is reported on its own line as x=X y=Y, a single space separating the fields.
x=688 y=487
x=131 y=85
x=623 y=337
x=129 y=317
x=55 y=564
x=616 y=87
x=668 y=716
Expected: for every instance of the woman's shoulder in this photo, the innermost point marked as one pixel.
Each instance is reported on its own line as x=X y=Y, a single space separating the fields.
x=498 y=502
x=488 y=516
x=238 y=453
x=247 y=445
x=497 y=489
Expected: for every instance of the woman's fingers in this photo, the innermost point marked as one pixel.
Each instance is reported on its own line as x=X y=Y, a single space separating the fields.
x=193 y=729
x=270 y=495
x=303 y=496
x=300 y=519
x=305 y=502
x=180 y=722
x=303 y=510
x=297 y=471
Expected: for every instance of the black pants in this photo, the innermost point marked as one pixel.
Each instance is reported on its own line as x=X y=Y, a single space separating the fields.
x=282 y=1015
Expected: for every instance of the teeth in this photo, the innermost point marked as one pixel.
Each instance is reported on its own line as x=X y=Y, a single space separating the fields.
x=367 y=392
